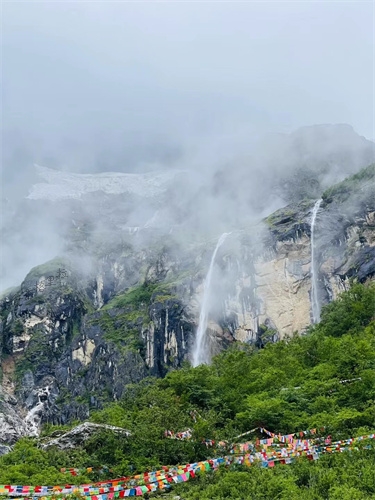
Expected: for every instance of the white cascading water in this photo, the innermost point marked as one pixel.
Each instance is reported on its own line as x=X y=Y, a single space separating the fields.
x=200 y=354
x=315 y=306
x=34 y=416
x=32 y=420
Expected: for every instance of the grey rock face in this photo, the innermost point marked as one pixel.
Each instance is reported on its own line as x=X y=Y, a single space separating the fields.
x=80 y=434
x=4 y=449
x=12 y=426
x=72 y=345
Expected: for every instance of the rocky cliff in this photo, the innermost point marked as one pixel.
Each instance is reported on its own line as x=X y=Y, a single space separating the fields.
x=79 y=330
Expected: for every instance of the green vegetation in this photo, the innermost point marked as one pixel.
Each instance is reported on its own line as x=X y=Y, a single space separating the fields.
x=347 y=187
x=287 y=222
x=39 y=350
x=266 y=334
x=49 y=268
x=288 y=213
x=139 y=296
x=163 y=298
x=37 y=299
x=76 y=328
x=17 y=328
x=287 y=386
x=346 y=476
x=28 y=464
x=123 y=327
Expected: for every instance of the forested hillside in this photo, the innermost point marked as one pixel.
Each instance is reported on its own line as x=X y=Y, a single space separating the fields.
x=323 y=380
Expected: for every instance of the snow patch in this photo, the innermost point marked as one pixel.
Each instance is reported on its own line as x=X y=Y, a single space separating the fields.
x=64 y=185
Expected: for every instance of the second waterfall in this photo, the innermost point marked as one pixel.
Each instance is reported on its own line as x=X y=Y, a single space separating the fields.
x=315 y=306
x=200 y=351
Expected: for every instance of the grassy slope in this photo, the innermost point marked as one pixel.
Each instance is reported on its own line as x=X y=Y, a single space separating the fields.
x=351 y=185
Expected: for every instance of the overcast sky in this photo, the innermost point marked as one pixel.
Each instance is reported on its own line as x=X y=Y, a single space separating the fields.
x=102 y=85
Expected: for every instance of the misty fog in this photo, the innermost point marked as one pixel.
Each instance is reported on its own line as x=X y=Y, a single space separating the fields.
x=219 y=100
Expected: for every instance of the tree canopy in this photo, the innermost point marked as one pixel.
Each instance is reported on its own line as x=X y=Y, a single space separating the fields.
x=324 y=378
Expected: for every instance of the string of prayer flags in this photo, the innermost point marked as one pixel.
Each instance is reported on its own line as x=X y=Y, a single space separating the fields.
x=285 y=437
x=147 y=482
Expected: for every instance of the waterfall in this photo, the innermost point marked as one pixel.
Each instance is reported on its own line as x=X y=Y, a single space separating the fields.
x=33 y=419
x=314 y=268
x=200 y=354
x=34 y=416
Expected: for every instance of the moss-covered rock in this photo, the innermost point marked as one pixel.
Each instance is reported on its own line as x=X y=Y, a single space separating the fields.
x=291 y=222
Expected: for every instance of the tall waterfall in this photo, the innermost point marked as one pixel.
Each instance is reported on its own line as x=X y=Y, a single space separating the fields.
x=315 y=306
x=200 y=354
